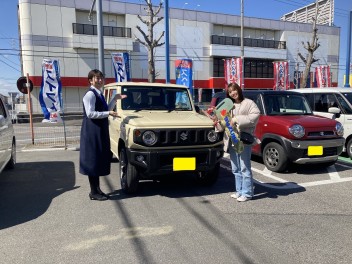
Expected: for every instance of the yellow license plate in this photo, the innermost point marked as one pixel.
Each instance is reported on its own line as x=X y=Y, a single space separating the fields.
x=315 y=150
x=181 y=164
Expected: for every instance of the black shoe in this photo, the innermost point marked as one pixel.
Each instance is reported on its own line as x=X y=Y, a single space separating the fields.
x=98 y=197
x=103 y=194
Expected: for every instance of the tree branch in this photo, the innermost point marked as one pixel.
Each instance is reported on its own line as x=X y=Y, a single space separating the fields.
x=302 y=58
x=145 y=36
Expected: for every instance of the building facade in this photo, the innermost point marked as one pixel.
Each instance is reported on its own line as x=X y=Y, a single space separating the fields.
x=60 y=29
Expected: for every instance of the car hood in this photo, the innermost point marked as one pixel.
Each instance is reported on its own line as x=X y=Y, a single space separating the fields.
x=304 y=120
x=165 y=119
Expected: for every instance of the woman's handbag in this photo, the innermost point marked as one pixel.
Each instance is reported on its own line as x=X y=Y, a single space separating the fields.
x=246 y=138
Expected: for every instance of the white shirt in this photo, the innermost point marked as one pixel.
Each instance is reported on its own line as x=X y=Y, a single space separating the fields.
x=89 y=100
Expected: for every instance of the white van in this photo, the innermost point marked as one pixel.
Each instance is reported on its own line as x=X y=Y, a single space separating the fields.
x=324 y=102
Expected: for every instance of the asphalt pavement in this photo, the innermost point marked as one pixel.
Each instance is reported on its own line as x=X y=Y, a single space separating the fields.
x=47 y=217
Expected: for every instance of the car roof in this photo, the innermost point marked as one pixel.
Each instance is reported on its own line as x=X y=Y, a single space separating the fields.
x=144 y=84
x=267 y=92
x=327 y=89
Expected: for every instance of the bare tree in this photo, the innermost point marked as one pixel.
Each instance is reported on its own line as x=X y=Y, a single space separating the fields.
x=311 y=47
x=148 y=38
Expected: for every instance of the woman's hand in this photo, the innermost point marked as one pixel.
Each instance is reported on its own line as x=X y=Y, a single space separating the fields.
x=114 y=114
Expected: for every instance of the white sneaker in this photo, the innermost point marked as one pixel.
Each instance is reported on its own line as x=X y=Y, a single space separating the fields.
x=235 y=195
x=243 y=198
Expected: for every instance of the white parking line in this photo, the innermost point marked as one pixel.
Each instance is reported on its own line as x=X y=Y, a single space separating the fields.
x=284 y=184
x=334 y=175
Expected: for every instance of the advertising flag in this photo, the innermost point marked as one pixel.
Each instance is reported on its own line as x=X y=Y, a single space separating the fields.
x=183 y=69
x=233 y=71
x=121 y=65
x=323 y=76
x=50 y=91
x=281 y=77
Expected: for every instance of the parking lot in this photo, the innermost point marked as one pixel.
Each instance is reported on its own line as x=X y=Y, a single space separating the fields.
x=301 y=216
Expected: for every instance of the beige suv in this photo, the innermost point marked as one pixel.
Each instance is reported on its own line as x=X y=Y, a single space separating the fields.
x=159 y=132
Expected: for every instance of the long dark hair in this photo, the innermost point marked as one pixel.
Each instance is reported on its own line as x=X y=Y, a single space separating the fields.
x=234 y=87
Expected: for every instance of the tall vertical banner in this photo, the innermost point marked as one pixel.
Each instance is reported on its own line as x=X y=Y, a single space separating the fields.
x=281 y=77
x=50 y=91
x=323 y=76
x=233 y=71
x=183 y=69
x=121 y=65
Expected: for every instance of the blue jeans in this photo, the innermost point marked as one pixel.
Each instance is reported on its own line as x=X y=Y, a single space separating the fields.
x=241 y=168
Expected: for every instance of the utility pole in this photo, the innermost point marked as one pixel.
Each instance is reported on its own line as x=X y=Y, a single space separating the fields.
x=99 y=8
x=242 y=45
x=167 y=46
x=347 y=82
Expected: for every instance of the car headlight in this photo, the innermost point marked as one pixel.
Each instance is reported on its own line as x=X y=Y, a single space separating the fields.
x=339 y=129
x=149 y=138
x=212 y=136
x=297 y=131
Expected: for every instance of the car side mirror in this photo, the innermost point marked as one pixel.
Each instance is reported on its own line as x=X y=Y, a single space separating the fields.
x=196 y=107
x=335 y=110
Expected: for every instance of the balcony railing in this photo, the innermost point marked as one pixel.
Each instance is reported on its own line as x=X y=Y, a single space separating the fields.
x=87 y=29
x=248 y=42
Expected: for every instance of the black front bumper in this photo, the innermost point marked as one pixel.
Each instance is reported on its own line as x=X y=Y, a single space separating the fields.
x=297 y=150
x=158 y=162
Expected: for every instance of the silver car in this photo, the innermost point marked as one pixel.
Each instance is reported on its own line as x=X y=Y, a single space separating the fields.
x=7 y=138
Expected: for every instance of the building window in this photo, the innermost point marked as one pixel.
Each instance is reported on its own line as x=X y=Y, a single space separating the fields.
x=253 y=68
x=88 y=29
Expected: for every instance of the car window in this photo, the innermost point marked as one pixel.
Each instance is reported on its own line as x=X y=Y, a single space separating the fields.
x=284 y=104
x=348 y=96
x=322 y=102
x=2 y=109
x=156 y=98
x=345 y=108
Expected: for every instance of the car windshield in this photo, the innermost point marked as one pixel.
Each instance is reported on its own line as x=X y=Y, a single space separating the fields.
x=284 y=104
x=156 y=98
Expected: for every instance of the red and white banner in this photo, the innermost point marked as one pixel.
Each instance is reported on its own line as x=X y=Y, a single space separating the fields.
x=281 y=77
x=233 y=71
x=323 y=76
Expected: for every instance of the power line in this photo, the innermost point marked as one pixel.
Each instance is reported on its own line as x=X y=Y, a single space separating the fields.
x=9 y=65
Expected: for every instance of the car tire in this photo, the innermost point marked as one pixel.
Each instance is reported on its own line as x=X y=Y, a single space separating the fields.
x=349 y=148
x=12 y=162
x=128 y=174
x=274 y=157
x=209 y=178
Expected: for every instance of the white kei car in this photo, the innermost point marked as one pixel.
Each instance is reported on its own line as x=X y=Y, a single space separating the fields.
x=7 y=138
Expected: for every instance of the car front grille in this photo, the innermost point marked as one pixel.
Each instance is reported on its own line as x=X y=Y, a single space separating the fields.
x=327 y=133
x=180 y=137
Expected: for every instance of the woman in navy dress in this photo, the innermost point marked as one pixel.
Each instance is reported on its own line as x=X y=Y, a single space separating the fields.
x=95 y=157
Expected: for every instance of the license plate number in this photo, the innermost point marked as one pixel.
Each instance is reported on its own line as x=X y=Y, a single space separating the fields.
x=315 y=150
x=182 y=164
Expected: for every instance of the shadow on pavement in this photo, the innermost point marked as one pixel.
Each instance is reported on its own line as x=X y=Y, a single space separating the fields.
x=27 y=191
x=181 y=185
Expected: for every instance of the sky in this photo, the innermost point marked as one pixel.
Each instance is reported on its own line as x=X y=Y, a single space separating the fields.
x=10 y=69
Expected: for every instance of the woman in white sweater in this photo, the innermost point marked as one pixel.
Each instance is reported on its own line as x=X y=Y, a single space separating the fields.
x=245 y=115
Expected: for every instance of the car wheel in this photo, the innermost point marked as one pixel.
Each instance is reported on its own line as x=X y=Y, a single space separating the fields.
x=208 y=178
x=128 y=174
x=274 y=157
x=12 y=162
x=349 y=148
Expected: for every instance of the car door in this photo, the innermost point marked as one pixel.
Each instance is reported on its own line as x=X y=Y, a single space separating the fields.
x=3 y=134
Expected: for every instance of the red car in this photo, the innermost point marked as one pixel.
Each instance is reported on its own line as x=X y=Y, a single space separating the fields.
x=290 y=133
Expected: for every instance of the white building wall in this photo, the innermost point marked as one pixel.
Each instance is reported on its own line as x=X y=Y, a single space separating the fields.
x=46 y=31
